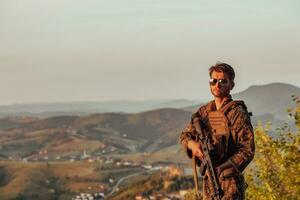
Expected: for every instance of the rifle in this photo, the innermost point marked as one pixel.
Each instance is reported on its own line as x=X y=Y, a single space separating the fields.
x=208 y=152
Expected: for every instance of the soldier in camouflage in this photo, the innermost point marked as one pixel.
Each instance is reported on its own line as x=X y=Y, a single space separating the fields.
x=229 y=124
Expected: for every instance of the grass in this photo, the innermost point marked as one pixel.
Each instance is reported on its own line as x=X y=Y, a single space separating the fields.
x=41 y=180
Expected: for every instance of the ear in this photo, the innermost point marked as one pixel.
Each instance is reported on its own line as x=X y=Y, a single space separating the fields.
x=232 y=85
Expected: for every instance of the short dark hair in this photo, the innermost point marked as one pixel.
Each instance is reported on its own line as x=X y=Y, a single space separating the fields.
x=223 y=67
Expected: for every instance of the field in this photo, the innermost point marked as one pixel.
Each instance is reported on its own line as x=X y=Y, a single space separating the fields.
x=42 y=180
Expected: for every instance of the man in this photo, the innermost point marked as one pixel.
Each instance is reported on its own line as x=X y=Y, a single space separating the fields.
x=228 y=123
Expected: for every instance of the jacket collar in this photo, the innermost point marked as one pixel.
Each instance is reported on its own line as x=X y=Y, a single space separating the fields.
x=212 y=105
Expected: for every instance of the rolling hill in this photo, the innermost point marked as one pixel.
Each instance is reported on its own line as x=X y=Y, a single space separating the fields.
x=70 y=135
x=122 y=133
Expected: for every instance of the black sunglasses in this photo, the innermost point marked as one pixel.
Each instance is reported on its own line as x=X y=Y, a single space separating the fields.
x=222 y=82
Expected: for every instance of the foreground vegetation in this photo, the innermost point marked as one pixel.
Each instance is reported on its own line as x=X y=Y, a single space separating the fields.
x=276 y=168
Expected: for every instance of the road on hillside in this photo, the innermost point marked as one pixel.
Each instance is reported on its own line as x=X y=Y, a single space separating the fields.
x=115 y=188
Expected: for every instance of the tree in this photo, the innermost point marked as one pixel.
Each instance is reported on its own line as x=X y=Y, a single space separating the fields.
x=275 y=170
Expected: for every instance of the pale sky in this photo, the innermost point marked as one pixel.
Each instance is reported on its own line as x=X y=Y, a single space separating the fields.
x=96 y=50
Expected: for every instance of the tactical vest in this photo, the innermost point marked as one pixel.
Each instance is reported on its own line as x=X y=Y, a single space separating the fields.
x=219 y=127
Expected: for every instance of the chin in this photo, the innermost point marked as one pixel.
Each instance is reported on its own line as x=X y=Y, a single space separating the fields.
x=217 y=94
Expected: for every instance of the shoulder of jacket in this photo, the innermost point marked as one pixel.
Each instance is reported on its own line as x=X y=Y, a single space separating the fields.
x=240 y=117
x=239 y=110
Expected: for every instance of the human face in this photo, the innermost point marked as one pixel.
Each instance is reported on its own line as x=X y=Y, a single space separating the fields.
x=220 y=90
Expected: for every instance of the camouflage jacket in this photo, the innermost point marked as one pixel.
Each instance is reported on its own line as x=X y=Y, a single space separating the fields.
x=241 y=148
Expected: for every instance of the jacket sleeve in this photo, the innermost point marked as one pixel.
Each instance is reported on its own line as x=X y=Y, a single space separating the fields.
x=243 y=135
x=187 y=134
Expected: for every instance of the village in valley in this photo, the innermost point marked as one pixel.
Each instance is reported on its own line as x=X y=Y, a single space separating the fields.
x=106 y=162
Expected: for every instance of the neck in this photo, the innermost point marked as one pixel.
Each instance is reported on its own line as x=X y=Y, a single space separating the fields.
x=219 y=101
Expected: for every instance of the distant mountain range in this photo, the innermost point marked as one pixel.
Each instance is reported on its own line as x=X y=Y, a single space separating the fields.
x=268 y=103
x=86 y=108
x=123 y=133
x=273 y=98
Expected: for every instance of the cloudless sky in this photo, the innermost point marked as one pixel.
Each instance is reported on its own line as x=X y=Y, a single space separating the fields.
x=96 y=50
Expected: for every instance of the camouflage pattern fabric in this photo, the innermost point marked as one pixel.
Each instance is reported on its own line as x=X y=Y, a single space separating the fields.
x=240 y=150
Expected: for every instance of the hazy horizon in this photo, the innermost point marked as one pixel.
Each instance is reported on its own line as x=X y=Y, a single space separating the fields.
x=133 y=100
x=71 y=50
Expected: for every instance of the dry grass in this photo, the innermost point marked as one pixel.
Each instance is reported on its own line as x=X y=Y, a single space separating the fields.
x=23 y=174
x=78 y=168
x=84 y=186
x=19 y=175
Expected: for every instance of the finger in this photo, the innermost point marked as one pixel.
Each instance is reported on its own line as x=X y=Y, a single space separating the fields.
x=199 y=154
x=196 y=153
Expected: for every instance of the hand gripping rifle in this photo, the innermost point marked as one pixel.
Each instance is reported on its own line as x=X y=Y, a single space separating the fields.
x=208 y=152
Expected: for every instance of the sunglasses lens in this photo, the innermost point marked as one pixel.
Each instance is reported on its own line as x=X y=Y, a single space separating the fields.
x=221 y=82
x=213 y=81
